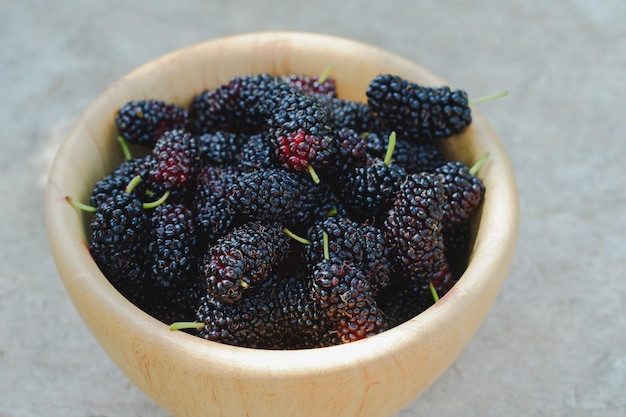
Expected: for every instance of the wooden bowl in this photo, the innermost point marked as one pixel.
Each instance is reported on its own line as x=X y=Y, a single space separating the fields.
x=190 y=376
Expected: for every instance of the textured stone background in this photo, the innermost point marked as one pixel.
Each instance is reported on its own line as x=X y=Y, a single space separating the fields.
x=554 y=343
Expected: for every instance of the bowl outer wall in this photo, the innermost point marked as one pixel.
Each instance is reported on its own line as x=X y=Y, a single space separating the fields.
x=189 y=376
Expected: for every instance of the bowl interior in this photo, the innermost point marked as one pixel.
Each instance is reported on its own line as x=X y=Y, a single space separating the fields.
x=189 y=376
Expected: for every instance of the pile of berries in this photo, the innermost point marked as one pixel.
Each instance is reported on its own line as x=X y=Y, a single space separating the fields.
x=272 y=213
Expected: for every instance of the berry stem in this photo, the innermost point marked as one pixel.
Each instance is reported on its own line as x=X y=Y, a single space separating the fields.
x=326 y=73
x=325 y=242
x=296 y=237
x=127 y=154
x=182 y=325
x=316 y=178
x=476 y=167
x=433 y=291
x=133 y=183
x=80 y=206
x=158 y=202
x=390 y=147
x=490 y=97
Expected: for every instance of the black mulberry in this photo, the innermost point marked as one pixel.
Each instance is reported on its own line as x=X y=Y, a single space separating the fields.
x=416 y=112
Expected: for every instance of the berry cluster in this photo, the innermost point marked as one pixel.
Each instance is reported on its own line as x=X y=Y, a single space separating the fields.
x=274 y=214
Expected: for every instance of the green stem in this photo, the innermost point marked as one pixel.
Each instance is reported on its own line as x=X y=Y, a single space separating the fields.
x=157 y=202
x=296 y=237
x=325 y=241
x=316 y=178
x=490 y=97
x=476 y=167
x=133 y=183
x=127 y=154
x=433 y=291
x=326 y=73
x=390 y=147
x=80 y=206
x=183 y=325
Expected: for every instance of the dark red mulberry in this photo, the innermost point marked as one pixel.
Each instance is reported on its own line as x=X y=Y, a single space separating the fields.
x=311 y=85
x=175 y=160
x=301 y=131
x=237 y=106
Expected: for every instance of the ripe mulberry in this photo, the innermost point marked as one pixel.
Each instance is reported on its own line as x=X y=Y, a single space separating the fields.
x=175 y=160
x=214 y=215
x=119 y=237
x=351 y=114
x=242 y=258
x=464 y=192
x=172 y=246
x=119 y=179
x=350 y=241
x=413 y=226
x=145 y=121
x=344 y=293
x=257 y=153
x=416 y=112
x=311 y=85
x=237 y=106
x=220 y=147
x=368 y=192
x=276 y=194
x=277 y=314
x=301 y=131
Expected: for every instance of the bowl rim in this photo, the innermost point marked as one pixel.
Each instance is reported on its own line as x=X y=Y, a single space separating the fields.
x=69 y=254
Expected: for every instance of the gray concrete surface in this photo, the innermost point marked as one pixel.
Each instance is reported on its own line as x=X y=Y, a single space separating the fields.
x=554 y=343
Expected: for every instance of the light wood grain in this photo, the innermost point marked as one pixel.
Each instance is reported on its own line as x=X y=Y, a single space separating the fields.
x=191 y=377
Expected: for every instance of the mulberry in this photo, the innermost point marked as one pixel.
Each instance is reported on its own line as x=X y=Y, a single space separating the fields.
x=175 y=160
x=145 y=121
x=243 y=257
x=351 y=114
x=220 y=147
x=238 y=106
x=119 y=237
x=368 y=191
x=119 y=179
x=413 y=226
x=416 y=112
x=344 y=293
x=464 y=192
x=311 y=85
x=276 y=194
x=301 y=131
x=172 y=247
x=350 y=241
x=278 y=314
x=214 y=215
x=257 y=153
